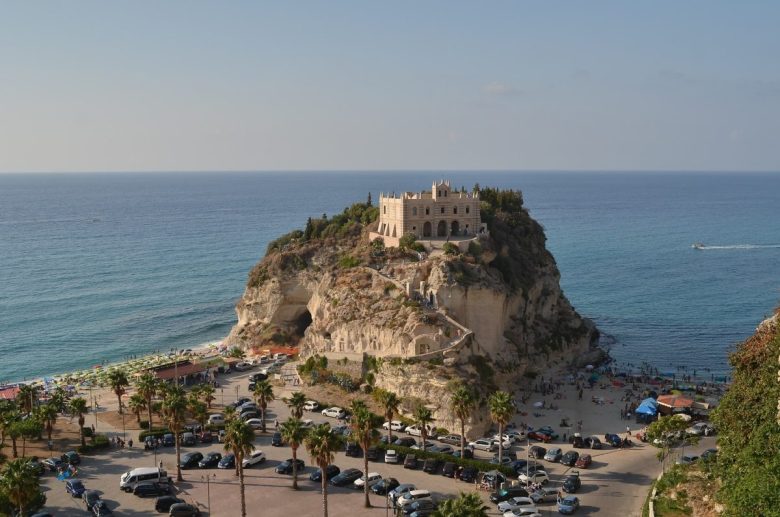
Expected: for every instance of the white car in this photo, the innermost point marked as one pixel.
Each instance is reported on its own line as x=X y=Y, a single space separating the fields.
x=373 y=479
x=253 y=459
x=523 y=512
x=539 y=476
x=311 y=405
x=484 y=444
x=517 y=436
x=334 y=412
x=516 y=503
x=243 y=366
x=391 y=456
x=507 y=441
x=216 y=419
x=307 y=423
x=255 y=423
x=701 y=428
x=412 y=496
x=395 y=425
x=416 y=430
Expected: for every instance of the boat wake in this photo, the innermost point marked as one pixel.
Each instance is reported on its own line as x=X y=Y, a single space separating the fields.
x=699 y=246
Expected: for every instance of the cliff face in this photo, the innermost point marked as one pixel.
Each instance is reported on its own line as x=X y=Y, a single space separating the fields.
x=484 y=316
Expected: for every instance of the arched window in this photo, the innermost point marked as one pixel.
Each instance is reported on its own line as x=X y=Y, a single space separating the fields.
x=414 y=210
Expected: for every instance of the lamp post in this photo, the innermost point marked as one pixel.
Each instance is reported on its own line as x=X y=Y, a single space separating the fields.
x=222 y=391
x=208 y=479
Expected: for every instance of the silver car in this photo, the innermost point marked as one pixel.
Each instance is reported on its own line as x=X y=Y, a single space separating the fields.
x=553 y=454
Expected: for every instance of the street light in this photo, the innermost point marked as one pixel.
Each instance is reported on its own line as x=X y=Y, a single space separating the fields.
x=208 y=479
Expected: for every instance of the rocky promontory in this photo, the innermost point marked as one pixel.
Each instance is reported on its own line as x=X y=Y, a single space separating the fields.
x=487 y=310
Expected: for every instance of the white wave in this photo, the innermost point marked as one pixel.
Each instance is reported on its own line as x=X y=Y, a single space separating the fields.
x=740 y=247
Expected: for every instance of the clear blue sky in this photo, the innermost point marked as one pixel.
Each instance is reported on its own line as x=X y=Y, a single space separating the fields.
x=134 y=85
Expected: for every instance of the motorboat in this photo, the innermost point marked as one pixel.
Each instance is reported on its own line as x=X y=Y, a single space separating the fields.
x=698 y=246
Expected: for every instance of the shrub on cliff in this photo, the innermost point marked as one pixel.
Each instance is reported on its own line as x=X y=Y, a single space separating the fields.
x=748 y=432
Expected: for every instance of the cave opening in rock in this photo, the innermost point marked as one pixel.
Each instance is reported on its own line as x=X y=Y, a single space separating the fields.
x=302 y=322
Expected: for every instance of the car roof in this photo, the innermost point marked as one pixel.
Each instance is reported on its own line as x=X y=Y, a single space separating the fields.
x=419 y=492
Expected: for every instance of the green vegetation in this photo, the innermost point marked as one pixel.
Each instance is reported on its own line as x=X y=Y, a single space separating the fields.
x=669 y=501
x=465 y=505
x=450 y=249
x=748 y=433
x=348 y=261
x=409 y=242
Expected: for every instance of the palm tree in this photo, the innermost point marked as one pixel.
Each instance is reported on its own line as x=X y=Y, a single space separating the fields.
x=423 y=417
x=502 y=408
x=207 y=394
x=462 y=404
x=147 y=387
x=263 y=394
x=199 y=412
x=49 y=414
x=391 y=404
x=78 y=406
x=20 y=483
x=117 y=379
x=365 y=435
x=293 y=433
x=174 y=408
x=8 y=413
x=465 y=505
x=238 y=440
x=296 y=403
x=136 y=404
x=230 y=413
x=322 y=444
x=27 y=397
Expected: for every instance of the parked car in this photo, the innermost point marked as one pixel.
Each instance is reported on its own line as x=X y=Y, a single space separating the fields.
x=542 y=437
x=709 y=454
x=451 y=439
x=484 y=444
x=416 y=430
x=255 y=423
x=572 y=483
x=570 y=458
x=240 y=401
x=169 y=440
x=74 y=487
x=405 y=441
x=148 y=488
x=592 y=442
x=448 y=469
x=206 y=437
x=410 y=462
x=346 y=477
x=539 y=476
x=391 y=456
x=584 y=461
x=469 y=474
x=687 y=459
x=442 y=449
x=507 y=443
x=90 y=497
x=395 y=425
x=248 y=415
x=372 y=454
x=254 y=458
x=228 y=461
x=576 y=441
x=417 y=507
x=399 y=491
x=37 y=467
x=412 y=496
x=537 y=452
x=373 y=479
x=183 y=510
x=545 y=495
x=71 y=457
x=334 y=412
x=188 y=439
x=613 y=439
x=190 y=460
x=508 y=493
x=568 y=505
x=353 y=450
x=311 y=405
x=286 y=467
x=242 y=366
x=431 y=466
x=505 y=460
x=101 y=509
x=548 y=431
x=276 y=440
x=210 y=460
x=259 y=376
x=164 y=503
x=554 y=455
x=701 y=429
x=330 y=472
x=516 y=503
x=468 y=453
x=384 y=486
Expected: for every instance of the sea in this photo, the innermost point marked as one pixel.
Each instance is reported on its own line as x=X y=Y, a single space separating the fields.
x=98 y=267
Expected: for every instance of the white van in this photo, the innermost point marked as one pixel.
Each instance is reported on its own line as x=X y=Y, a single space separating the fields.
x=129 y=479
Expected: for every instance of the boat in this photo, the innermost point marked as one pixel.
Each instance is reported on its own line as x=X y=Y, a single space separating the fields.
x=698 y=246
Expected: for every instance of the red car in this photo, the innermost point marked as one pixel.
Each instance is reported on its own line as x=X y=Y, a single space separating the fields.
x=542 y=437
x=584 y=461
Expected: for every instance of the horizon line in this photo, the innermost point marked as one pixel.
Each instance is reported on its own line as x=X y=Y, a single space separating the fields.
x=370 y=171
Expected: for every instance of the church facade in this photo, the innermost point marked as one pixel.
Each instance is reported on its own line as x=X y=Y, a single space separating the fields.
x=441 y=214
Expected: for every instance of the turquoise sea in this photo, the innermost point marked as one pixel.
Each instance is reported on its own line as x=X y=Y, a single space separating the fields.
x=96 y=267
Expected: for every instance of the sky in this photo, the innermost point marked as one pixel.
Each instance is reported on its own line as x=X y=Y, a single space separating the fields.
x=419 y=85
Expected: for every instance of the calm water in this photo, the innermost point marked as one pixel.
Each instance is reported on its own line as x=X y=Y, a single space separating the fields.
x=96 y=267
